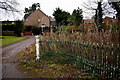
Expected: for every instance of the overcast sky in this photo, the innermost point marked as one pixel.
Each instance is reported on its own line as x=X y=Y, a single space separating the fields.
x=47 y=6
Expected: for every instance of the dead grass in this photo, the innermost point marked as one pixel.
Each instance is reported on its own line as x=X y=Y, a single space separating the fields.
x=87 y=35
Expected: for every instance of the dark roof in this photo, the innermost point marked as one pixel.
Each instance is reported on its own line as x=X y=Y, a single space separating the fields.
x=89 y=21
x=53 y=23
x=51 y=19
x=26 y=15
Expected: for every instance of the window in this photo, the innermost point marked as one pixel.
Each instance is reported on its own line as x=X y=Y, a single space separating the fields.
x=39 y=20
x=26 y=20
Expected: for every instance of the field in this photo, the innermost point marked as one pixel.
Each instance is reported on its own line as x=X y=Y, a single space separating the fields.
x=5 y=40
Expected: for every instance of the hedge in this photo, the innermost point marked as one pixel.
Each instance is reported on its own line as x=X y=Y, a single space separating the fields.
x=8 y=33
x=28 y=28
x=19 y=27
x=9 y=27
x=36 y=31
x=47 y=29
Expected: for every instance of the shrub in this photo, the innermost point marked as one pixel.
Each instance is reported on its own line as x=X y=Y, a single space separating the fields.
x=28 y=28
x=19 y=27
x=54 y=29
x=36 y=31
x=46 y=29
x=8 y=33
x=9 y=27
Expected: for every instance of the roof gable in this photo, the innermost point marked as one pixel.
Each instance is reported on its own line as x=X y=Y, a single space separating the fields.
x=51 y=19
x=28 y=15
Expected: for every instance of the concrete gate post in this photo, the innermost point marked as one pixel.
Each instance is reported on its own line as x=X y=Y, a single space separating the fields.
x=37 y=47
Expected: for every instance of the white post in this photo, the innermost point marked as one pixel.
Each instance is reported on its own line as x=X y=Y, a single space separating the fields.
x=37 y=47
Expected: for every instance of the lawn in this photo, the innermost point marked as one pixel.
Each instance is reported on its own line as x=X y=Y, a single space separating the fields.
x=5 y=40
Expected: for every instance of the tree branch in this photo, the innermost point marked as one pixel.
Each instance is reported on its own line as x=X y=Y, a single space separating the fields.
x=9 y=5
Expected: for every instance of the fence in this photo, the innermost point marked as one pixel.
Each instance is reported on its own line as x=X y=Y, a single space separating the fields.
x=101 y=60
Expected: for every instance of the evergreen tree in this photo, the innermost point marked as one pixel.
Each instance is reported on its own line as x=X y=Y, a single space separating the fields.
x=32 y=8
x=19 y=27
x=61 y=16
x=77 y=16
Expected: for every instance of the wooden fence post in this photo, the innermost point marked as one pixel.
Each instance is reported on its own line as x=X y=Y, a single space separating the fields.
x=106 y=71
x=112 y=64
x=118 y=62
x=94 y=49
x=102 y=58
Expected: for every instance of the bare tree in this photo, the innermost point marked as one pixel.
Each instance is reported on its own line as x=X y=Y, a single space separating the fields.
x=100 y=9
x=116 y=6
x=92 y=5
x=9 y=5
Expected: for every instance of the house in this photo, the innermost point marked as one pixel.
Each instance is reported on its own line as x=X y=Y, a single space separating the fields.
x=39 y=19
x=52 y=21
x=108 y=20
x=89 y=21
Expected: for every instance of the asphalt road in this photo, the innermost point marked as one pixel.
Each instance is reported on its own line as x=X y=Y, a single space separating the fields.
x=9 y=58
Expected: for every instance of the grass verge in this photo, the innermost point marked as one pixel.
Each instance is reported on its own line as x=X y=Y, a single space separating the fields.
x=5 y=40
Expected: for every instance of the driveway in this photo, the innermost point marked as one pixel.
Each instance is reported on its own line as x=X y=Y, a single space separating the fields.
x=9 y=58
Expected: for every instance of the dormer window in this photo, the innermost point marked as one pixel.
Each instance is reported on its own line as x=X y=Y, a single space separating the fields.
x=39 y=20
